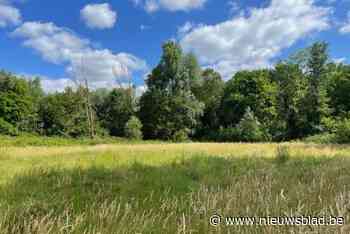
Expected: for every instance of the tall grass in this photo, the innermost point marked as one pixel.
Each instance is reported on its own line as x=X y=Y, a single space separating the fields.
x=170 y=188
x=32 y=140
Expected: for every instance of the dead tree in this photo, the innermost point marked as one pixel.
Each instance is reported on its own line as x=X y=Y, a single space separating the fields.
x=82 y=82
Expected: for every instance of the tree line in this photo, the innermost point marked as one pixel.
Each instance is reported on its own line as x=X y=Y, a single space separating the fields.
x=306 y=95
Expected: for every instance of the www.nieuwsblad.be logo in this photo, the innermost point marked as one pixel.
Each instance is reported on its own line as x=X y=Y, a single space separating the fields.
x=217 y=220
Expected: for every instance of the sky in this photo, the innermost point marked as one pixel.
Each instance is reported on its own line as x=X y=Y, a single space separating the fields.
x=104 y=41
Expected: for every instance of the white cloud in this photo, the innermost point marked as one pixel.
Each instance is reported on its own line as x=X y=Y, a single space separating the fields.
x=50 y=85
x=99 y=16
x=151 y=6
x=345 y=29
x=61 y=46
x=140 y=90
x=58 y=85
x=55 y=44
x=234 y=6
x=9 y=15
x=170 y=5
x=251 y=41
x=339 y=60
x=185 y=28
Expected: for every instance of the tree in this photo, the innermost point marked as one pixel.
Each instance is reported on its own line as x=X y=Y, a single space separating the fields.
x=169 y=105
x=249 y=128
x=133 y=129
x=339 y=89
x=316 y=102
x=210 y=91
x=7 y=129
x=168 y=75
x=82 y=82
x=64 y=114
x=194 y=72
x=116 y=110
x=16 y=102
x=36 y=93
x=290 y=95
x=254 y=89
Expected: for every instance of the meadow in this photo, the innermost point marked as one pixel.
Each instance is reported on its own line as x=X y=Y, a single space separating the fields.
x=161 y=188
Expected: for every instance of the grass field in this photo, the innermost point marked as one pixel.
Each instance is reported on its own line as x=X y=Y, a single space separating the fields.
x=170 y=188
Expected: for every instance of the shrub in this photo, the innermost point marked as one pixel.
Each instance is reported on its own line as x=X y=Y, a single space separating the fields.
x=330 y=124
x=250 y=129
x=342 y=132
x=7 y=129
x=324 y=138
x=181 y=136
x=133 y=129
x=230 y=134
x=283 y=154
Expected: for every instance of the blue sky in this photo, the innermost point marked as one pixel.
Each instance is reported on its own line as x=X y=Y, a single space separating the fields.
x=108 y=40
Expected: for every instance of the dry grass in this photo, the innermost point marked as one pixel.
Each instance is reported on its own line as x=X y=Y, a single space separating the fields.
x=170 y=188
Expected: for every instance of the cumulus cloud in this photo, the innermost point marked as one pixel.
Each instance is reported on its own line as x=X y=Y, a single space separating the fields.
x=55 y=85
x=339 y=60
x=140 y=90
x=9 y=15
x=51 y=85
x=345 y=29
x=170 y=5
x=61 y=46
x=55 y=44
x=234 y=6
x=99 y=16
x=59 y=85
x=251 y=41
x=185 y=28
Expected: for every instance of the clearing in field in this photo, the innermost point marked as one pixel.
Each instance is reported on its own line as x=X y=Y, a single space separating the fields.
x=171 y=188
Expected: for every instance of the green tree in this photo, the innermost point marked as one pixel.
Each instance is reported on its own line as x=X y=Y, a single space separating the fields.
x=316 y=101
x=194 y=73
x=36 y=93
x=290 y=94
x=16 y=102
x=133 y=129
x=169 y=105
x=116 y=110
x=64 y=114
x=249 y=128
x=254 y=89
x=339 y=89
x=210 y=91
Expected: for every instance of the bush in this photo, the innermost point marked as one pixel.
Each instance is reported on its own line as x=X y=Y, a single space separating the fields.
x=339 y=133
x=342 y=132
x=181 y=136
x=7 y=129
x=230 y=134
x=283 y=154
x=133 y=129
x=250 y=129
x=330 y=124
x=325 y=138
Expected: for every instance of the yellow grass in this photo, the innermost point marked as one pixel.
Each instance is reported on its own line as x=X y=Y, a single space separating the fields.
x=163 y=188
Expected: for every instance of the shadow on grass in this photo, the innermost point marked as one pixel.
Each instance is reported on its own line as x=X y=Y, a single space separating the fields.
x=81 y=186
x=259 y=183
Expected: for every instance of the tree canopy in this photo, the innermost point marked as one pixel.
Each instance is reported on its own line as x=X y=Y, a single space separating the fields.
x=304 y=95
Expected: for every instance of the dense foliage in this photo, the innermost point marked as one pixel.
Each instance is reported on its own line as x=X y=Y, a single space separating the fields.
x=305 y=96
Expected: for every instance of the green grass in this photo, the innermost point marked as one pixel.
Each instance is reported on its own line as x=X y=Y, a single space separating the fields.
x=170 y=188
x=32 y=140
